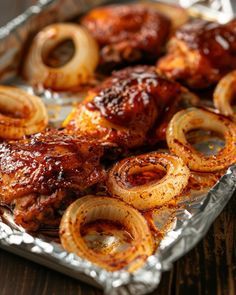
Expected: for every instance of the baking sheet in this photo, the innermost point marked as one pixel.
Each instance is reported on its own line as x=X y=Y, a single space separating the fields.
x=192 y=220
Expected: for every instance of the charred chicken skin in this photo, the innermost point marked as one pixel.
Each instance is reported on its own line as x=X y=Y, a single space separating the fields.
x=200 y=53
x=127 y=33
x=125 y=108
x=41 y=173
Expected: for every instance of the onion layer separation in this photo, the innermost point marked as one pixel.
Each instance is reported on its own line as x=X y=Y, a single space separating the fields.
x=223 y=95
x=194 y=118
x=78 y=70
x=21 y=113
x=92 y=208
x=154 y=193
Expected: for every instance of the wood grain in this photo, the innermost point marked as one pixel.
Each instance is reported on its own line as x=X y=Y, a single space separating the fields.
x=210 y=268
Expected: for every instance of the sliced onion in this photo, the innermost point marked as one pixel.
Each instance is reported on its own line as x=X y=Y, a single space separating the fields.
x=78 y=70
x=194 y=118
x=223 y=94
x=92 y=208
x=155 y=193
x=29 y=111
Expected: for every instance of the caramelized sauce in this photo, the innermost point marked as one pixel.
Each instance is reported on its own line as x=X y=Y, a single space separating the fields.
x=47 y=162
x=132 y=95
x=214 y=41
x=128 y=27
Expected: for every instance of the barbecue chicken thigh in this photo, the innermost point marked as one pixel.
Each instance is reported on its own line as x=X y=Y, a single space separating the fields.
x=45 y=171
x=127 y=33
x=125 y=108
x=200 y=53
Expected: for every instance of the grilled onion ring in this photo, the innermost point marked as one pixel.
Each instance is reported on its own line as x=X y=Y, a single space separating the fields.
x=194 y=118
x=30 y=112
x=91 y=208
x=223 y=95
x=76 y=71
x=155 y=193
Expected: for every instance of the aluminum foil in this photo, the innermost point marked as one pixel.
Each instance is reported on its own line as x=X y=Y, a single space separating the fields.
x=192 y=220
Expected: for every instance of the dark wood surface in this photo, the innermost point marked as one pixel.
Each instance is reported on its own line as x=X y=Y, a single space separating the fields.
x=210 y=268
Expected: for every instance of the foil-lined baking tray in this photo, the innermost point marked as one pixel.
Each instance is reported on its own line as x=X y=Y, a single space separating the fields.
x=194 y=215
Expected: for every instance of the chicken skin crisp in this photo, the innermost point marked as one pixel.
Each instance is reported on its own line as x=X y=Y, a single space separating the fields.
x=127 y=33
x=200 y=53
x=125 y=107
x=44 y=171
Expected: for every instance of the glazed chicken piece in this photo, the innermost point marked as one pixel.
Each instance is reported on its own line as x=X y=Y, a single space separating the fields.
x=125 y=108
x=36 y=211
x=40 y=174
x=127 y=33
x=200 y=53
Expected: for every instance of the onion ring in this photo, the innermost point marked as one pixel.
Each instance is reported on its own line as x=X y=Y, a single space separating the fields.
x=78 y=70
x=30 y=112
x=155 y=193
x=194 y=118
x=223 y=95
x=91 y=208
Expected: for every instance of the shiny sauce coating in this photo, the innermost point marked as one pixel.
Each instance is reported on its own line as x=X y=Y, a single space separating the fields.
x=130 y=96
x=214 y=41
x=127 y=33
x=47 y=162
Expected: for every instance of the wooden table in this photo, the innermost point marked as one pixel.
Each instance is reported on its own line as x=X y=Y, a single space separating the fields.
x=209 y=268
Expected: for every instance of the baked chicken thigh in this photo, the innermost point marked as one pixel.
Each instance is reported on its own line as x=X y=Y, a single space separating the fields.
x=126 y=108
x=200 y=53
x=41 y=174
x=127 y=33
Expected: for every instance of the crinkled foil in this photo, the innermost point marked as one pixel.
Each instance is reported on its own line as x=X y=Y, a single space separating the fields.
x=192 y=220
